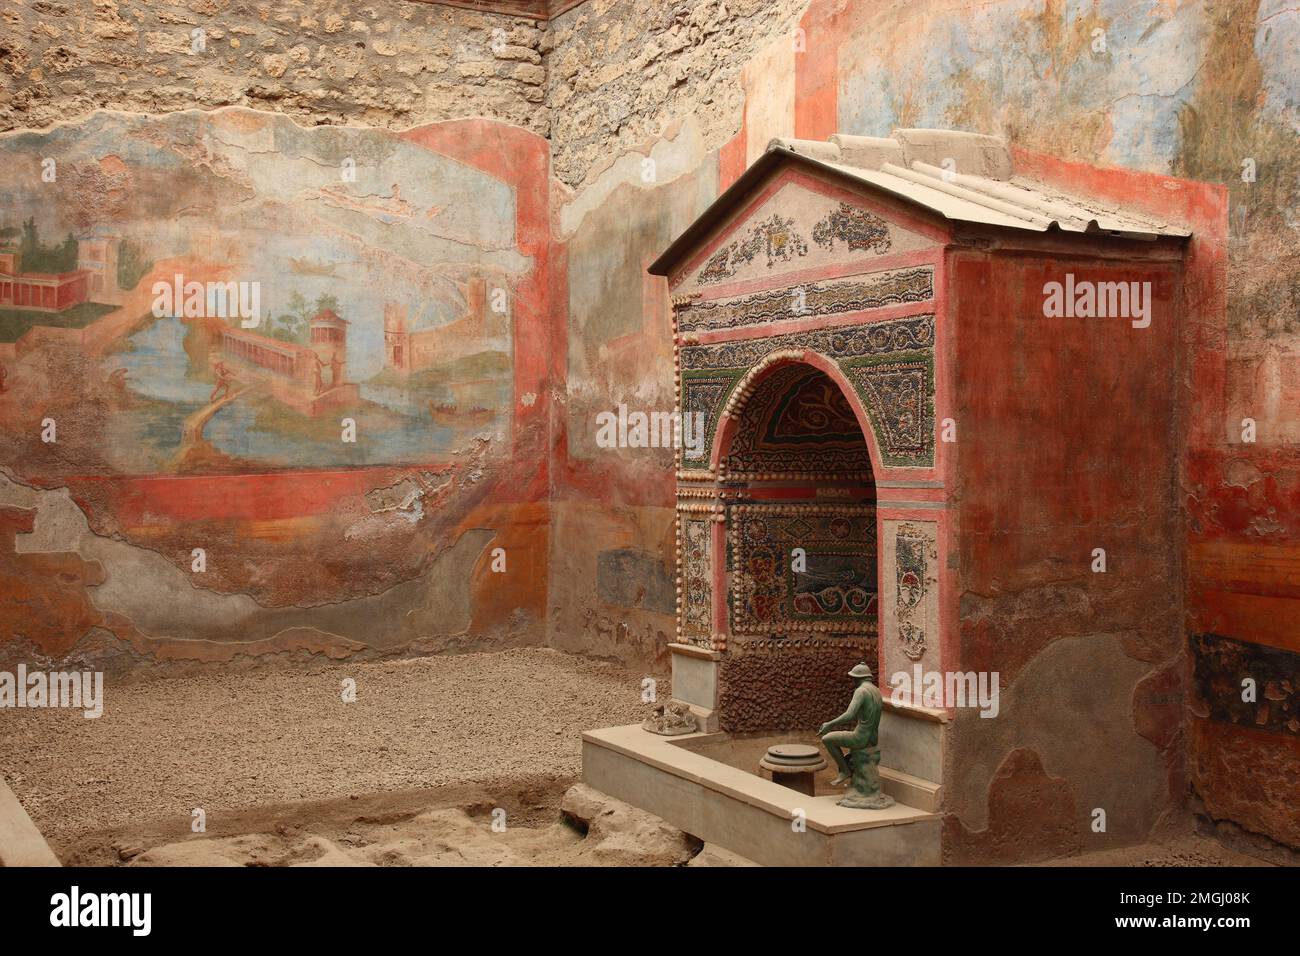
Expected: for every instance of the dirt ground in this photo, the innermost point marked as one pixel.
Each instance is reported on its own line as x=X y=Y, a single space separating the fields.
x=530 y=822
x=262 y=738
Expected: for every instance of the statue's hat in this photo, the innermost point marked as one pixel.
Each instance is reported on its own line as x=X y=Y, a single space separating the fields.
x=861 y=670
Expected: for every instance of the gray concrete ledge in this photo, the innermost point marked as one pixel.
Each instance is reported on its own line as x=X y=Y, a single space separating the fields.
x=747 y=814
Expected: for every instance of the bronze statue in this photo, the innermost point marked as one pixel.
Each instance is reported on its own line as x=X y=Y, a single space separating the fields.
x=855 y=751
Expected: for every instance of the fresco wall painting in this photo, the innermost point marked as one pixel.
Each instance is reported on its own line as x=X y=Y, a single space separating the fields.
x=259 y=339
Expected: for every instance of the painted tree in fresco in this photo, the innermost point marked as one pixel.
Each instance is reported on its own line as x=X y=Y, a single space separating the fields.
x=38 y=257
x=132 y=265
x=291 y=325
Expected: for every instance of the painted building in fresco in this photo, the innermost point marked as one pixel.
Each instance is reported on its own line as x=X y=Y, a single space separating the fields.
x=38 y=291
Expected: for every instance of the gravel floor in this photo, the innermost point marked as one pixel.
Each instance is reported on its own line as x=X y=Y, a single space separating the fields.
x=245 y=745
x=232 y=740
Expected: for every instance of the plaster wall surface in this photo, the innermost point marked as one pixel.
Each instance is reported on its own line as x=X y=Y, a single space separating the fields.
x=1095 y=649
x=187 y=483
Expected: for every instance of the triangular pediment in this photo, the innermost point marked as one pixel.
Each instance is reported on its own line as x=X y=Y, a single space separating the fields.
x=795 y=223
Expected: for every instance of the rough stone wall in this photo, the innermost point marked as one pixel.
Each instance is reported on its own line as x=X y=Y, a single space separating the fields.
x=622 y=71
x=390 y=63
x=790 y=685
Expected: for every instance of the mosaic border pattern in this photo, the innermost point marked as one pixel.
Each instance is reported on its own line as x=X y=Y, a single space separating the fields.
x=889 y=364
x=857 y=294
x=850 y=341
x=898 y=394
x=696 y=562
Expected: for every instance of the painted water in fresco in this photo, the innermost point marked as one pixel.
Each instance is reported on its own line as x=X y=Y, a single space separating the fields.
x=382 y=294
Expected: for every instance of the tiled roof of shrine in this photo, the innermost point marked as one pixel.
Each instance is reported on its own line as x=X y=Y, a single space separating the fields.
x=964 y=177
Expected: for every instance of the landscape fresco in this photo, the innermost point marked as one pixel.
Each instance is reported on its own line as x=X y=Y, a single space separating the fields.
x=381 y=293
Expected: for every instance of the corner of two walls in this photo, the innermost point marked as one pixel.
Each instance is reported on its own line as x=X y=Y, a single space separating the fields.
x=646 y=103
x=156 y=530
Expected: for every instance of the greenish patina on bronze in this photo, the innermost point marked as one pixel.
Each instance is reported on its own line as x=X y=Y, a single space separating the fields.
x=856 y=752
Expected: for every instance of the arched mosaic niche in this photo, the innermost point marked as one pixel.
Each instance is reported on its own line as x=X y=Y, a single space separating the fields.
x=792 y=437
x=804 y=331
x=890 y=366
x=797 y=421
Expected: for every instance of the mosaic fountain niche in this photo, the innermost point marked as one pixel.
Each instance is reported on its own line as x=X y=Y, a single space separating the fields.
x=837 y=313
x=811 y=529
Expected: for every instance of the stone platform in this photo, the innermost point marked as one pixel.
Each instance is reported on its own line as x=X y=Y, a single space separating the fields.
x=690 y=782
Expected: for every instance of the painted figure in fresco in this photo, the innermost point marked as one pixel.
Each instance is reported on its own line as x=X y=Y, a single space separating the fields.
x=223 y=382
x=4 y=374
x=336 y=370
x=855 y=751
x=317 y=381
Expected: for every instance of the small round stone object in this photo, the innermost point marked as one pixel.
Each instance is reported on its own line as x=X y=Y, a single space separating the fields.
x=793 y=766
x=793 y=755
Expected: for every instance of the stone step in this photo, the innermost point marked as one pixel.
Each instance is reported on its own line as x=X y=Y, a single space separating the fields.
x=913 y=791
